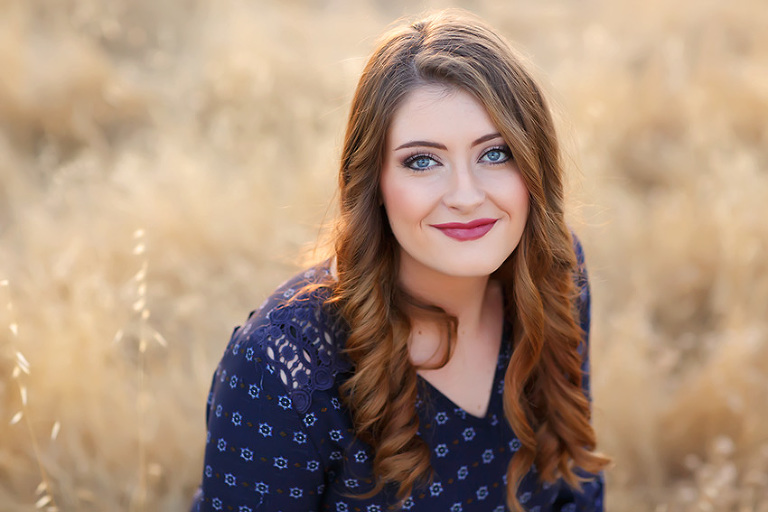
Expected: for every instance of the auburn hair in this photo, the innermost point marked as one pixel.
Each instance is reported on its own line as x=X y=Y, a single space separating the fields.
x=543 y=399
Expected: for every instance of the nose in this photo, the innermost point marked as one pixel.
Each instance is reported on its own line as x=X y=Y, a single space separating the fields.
x=465 y=192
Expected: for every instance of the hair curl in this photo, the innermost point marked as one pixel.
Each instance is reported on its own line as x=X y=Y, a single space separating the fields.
x=543 y=399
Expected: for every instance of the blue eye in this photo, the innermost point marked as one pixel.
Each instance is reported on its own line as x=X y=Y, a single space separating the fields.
x=496 y=155
x=420 y=162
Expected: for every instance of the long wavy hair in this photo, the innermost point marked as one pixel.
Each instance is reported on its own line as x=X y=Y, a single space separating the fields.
x=543 y=399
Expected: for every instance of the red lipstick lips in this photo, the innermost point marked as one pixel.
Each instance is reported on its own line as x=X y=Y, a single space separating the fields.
x=465 y=232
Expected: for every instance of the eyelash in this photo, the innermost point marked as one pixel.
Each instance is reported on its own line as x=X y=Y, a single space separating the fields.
x=502 y=149
x=410 y=159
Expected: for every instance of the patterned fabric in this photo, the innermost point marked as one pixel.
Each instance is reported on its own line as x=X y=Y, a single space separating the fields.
x=280 y=439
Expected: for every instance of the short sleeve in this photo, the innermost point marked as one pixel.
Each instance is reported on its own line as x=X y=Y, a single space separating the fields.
x=259 y=455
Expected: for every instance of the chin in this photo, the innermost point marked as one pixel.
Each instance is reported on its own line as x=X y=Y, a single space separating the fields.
x=473 y=268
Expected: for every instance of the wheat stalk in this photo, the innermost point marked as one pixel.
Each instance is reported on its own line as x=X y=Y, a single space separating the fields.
x=146 y=333
x=44 y=492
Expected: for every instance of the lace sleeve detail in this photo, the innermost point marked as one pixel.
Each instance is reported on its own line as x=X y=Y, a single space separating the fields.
x=295 y=337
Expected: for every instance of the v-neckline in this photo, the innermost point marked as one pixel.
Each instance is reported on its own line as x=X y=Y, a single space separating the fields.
x=502 y=359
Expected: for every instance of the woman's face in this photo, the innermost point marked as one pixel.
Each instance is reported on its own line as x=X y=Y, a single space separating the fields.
x=454 y=196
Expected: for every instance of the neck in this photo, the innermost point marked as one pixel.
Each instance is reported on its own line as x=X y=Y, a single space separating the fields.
x=463 y=297
x=476 y=302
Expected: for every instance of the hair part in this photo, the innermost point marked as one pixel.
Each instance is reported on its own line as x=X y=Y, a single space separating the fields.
x=543 y=399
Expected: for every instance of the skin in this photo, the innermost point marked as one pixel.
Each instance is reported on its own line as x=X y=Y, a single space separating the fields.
x=445 y=162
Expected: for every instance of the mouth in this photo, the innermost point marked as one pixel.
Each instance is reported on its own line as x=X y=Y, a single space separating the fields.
x=466 y=231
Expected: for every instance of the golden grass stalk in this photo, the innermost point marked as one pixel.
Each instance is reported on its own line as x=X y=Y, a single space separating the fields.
x=45 y=489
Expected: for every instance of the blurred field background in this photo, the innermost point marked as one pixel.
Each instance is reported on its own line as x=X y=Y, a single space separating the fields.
x=164 y=164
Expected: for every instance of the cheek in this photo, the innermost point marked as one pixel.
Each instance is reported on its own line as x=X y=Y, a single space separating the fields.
x=405 y=200
x=525 y=201
x=515 y=198
x=391 y=196
x=401 y=211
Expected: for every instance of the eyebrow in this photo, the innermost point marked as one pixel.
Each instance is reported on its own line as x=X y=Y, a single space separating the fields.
x=437 y=145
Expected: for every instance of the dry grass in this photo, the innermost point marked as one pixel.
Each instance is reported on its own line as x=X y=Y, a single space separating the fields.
x=213 y=128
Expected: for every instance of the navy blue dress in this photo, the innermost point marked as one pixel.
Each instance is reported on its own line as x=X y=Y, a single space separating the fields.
x=281 y=440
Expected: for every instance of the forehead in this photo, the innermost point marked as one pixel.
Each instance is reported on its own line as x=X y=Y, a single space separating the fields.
x=439 y=113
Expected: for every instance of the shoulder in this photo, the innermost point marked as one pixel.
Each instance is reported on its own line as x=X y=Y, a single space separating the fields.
x=293 y=337
x=581 y=278
x=583 y=310
x=583 y=293
x=578 y=249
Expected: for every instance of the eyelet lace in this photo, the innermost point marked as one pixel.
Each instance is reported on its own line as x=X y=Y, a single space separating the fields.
x=299 y=338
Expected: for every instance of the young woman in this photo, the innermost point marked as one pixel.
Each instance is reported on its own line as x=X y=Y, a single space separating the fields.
x=439 y=361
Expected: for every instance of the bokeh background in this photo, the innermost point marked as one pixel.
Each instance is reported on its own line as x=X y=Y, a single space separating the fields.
x=163 y=165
